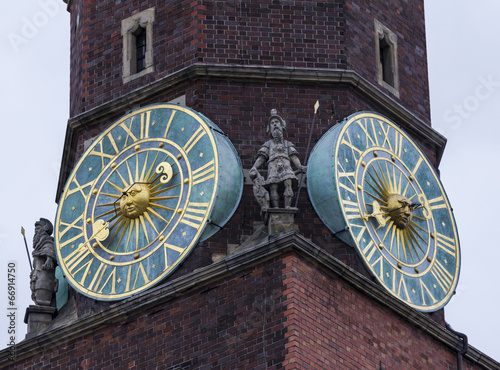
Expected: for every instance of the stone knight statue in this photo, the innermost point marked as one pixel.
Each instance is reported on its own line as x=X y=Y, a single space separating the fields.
x=43 y=281
x=278 y=154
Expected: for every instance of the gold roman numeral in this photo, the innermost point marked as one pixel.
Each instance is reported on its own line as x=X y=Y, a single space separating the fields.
x=198 y=134
x=348 y=143
x=369 y=250
x=417 y=165
x=112 y=277
x=423 y=288
x=351 y=209
x=369 y=140
x=128 y=130
x=204 y=173
x=75 y=258
x=140 y=270
x=167 y=246
x=443 y=277
x=447 y=244
x=400 y=284
x=440 y=200
x=192 y=214
x=145 y=116
x=100 y=153
x=169 y=123
x=78 y=188
x=70 y=226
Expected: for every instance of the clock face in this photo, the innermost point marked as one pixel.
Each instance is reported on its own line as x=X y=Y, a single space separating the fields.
x=385 y=199
x=140 y=198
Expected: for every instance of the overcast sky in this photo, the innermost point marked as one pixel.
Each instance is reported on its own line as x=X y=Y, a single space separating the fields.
x=464 y=76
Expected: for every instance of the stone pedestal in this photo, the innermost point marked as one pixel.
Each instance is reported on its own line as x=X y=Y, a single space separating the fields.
x=38 y=318
x=280 y=220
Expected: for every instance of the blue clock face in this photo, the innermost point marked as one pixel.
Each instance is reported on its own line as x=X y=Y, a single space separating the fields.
x=140 y=198
x=386 y=195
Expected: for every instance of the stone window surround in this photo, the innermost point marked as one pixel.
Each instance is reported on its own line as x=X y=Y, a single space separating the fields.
x=130 y=25
x=381 y=33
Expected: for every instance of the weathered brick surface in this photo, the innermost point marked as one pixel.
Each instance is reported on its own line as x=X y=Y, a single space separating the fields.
x=282 y=313
x=331 y=326
x=406 y=20
x=232 y=324
x=305 y=34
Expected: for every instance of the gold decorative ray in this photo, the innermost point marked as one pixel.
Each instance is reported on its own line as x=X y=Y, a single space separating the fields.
x=418 y=218
x=156 y=199
x=111 y=195
x=125 y=184
x=144 y=229
x=373 y=196
x=126 y=226
x=147 y=177
x=131 y=179
x=412 y=227
x=130 y=226
x=154 y=213
x=141 y=178
x=120 y=190
x=150 y=221
x=122 y=222
x=161 y=207
x=136 y=227
x=402 y=244
x=155 y=193
x=412 y=237
x=392 y=187
x=399 y=184
x=107 y=213
x=106 y=205
x=392 y=237
x=136 y=168
x=378 y=183
x=385 y=182
x=405 y=244
x=406 y=189
x=153 y=178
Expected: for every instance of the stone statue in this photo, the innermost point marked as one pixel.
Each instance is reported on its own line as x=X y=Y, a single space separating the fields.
x=278 y=154
x=43 y=281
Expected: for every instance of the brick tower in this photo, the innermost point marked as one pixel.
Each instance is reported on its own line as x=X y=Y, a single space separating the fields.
x=301 y=299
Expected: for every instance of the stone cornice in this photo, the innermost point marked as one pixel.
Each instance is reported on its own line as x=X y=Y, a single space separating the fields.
x=230 y=266
x=331 y=77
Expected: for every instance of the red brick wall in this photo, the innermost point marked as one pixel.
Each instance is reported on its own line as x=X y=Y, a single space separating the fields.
x=237 y=323
x=306 y=34
x=282 y=313
x=330 y=325
x=406 y=20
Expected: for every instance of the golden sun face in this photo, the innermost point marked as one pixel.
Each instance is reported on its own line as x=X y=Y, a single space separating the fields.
x=390 y=192
x=135 y=201
x=138 y=200
x=398 y=208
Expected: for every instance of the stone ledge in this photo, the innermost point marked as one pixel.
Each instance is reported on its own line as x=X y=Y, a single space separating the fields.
x=314 y=76
x=230 y=266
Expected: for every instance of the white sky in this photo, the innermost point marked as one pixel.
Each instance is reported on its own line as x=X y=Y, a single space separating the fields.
x=464 y=74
